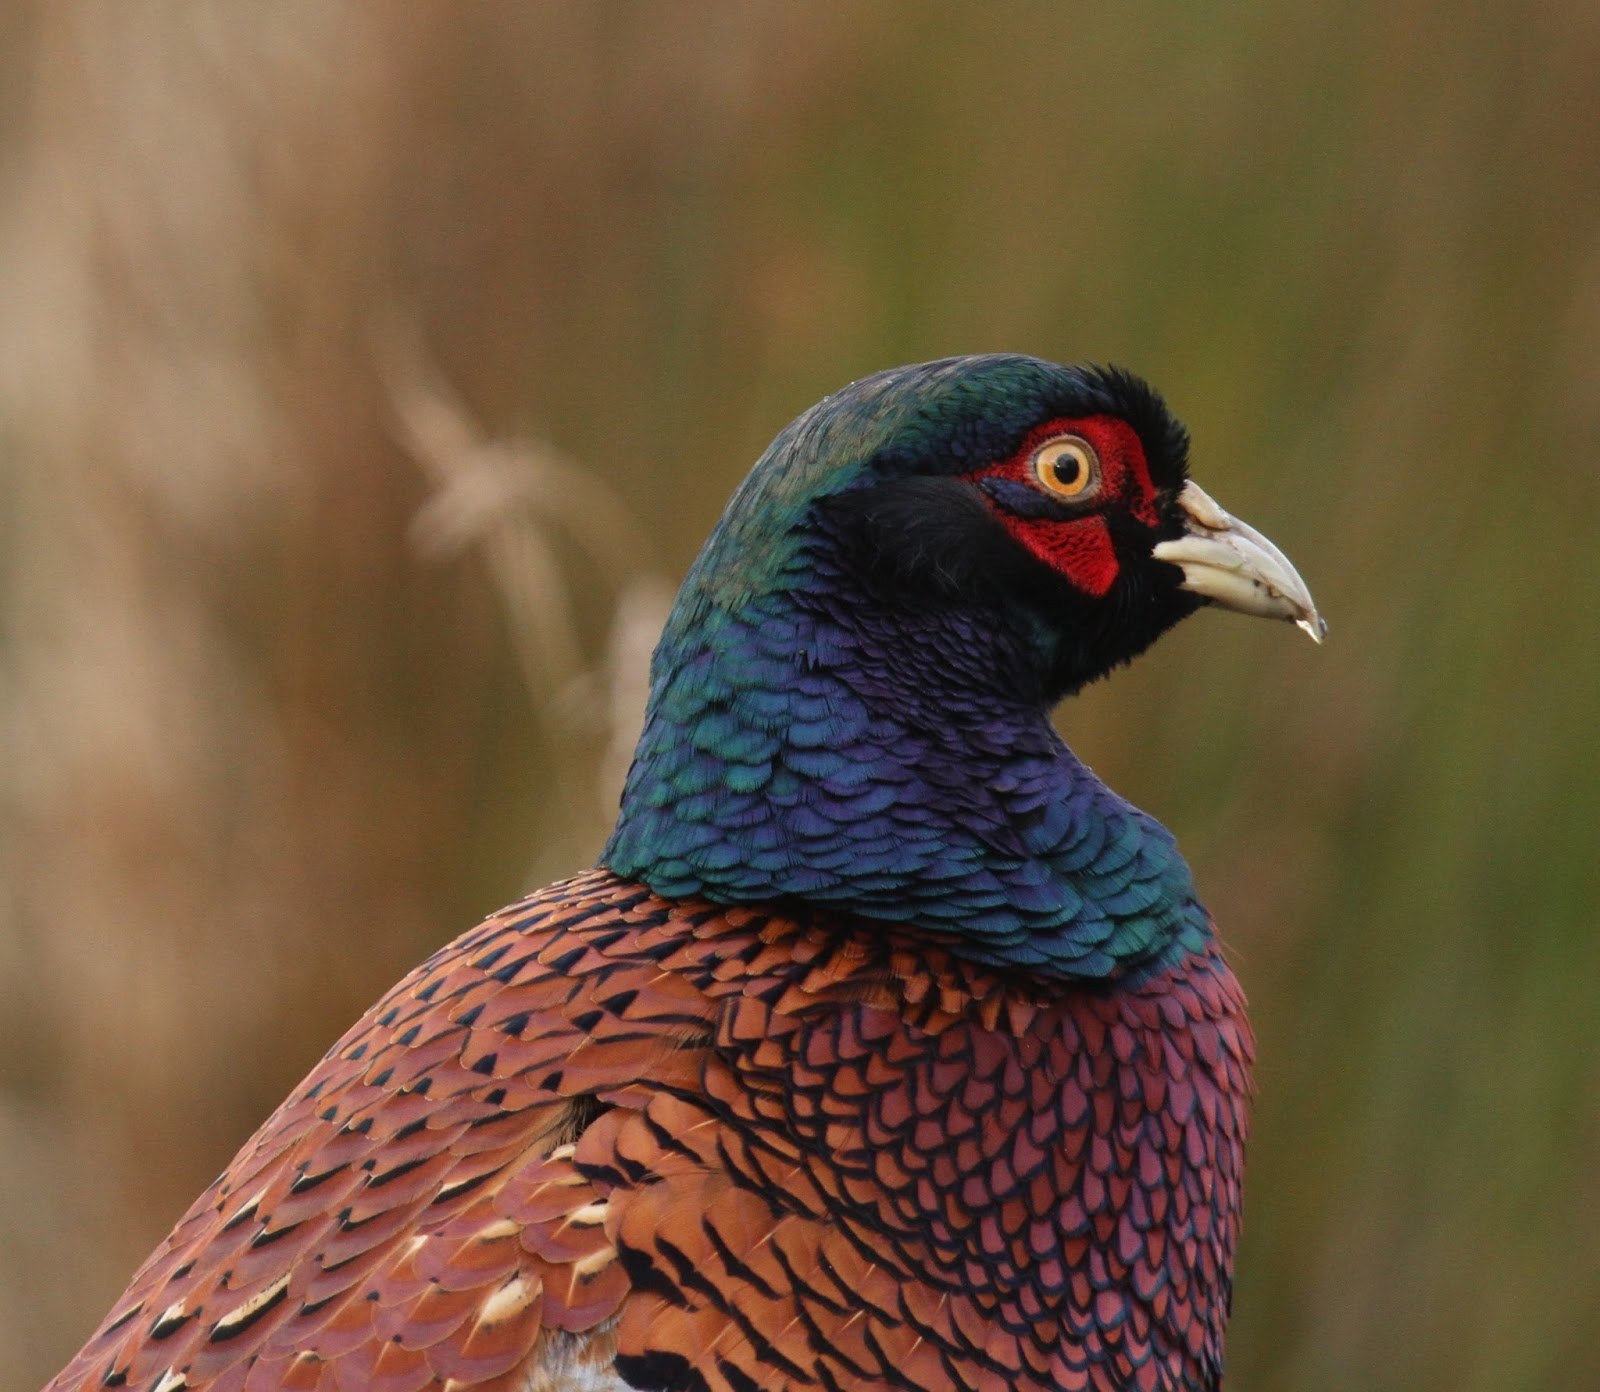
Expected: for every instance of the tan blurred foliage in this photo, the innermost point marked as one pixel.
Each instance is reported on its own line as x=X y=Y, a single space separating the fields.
x=365 y=368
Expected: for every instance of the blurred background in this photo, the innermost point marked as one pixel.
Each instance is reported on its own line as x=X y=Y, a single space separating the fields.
x=370 y=373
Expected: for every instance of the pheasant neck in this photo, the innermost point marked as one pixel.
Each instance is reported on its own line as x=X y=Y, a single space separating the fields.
x=798 y=747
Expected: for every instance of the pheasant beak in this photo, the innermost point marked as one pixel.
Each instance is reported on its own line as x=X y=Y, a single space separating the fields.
x=1232 y=564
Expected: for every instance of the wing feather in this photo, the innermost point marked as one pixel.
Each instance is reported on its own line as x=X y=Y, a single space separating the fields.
x=412 y=1216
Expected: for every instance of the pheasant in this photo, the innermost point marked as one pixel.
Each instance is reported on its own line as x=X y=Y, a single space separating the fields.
x=885 y=1048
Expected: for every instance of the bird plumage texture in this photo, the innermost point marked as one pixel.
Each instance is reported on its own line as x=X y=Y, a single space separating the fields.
x=886 y=1049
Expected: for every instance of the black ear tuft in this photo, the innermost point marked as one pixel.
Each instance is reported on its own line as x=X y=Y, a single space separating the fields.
x=1164 y=436
x=925 y=539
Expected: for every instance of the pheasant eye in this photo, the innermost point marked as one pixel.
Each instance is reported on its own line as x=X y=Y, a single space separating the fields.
x=1067 y=467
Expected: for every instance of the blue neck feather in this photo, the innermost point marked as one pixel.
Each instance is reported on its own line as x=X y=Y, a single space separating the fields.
x=798 y=746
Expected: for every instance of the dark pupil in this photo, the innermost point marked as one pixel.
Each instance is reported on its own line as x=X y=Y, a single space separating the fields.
x=1068 y=469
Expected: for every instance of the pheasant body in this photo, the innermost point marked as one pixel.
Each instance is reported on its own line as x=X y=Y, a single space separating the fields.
x=724 y=1149
x=887 y=1051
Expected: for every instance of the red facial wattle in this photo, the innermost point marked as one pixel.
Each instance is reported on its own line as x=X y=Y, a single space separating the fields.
x=1080 y=547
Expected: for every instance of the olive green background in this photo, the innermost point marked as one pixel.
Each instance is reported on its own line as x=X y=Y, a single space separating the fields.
x=278 y=717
